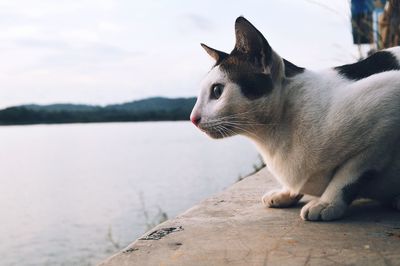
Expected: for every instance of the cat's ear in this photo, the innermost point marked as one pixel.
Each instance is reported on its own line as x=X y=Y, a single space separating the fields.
x=251 y=43
x=217 y=55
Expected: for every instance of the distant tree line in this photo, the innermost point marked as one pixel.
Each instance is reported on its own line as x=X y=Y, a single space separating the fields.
x=152 y=109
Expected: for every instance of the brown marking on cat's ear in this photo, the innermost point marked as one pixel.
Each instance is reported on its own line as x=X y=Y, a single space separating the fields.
x=217 y=55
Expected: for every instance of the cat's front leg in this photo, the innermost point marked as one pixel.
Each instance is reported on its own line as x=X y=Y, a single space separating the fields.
x=341 y=191
x=280 y=198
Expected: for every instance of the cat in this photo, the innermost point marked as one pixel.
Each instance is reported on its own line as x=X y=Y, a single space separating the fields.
x=333 y=134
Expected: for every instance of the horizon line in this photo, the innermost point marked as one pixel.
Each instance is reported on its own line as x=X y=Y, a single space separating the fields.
x=95 y=105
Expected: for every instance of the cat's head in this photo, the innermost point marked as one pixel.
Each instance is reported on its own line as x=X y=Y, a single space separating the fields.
x=239 y=92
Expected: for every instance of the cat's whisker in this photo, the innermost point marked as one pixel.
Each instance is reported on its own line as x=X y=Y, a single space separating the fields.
x=221 y=130
x=229 y=130
x=240 y=114
x=247 y=123
x=224 y=133
x=247 y=126
x=239 y=120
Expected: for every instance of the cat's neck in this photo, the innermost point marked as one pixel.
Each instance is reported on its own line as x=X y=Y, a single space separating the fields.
x=301 y=102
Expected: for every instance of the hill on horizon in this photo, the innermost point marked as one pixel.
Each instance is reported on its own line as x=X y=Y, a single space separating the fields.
x=149 y=109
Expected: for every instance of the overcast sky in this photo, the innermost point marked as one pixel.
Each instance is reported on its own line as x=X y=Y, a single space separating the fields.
x=110 y=51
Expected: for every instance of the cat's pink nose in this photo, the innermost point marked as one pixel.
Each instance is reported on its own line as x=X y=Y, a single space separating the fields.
x=195 y=120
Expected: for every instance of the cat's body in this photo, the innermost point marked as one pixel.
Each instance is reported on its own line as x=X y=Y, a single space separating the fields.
x=334 y=134
x=328 y=122
x=332 y=123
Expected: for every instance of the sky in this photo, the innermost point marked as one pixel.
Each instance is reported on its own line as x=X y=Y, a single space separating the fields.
x=113 y=51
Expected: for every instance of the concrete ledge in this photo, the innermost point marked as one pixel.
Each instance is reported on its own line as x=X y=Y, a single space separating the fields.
x=233 y=228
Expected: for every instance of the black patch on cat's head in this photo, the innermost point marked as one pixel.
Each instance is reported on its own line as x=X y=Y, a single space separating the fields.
x=254 y=85
x=378 y=62
x=252 y=82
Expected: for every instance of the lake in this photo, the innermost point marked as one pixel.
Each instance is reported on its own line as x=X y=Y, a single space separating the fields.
x=74 y=194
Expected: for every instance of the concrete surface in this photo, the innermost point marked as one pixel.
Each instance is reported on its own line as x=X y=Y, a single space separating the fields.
x=233 y=228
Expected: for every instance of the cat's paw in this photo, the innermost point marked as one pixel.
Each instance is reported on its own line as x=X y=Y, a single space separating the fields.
x=280 y=199
x=318 y=210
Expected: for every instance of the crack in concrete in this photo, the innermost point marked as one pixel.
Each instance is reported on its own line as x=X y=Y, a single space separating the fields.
x=160 y=233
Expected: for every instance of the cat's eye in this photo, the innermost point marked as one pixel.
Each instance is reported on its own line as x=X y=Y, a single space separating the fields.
x=217 y=90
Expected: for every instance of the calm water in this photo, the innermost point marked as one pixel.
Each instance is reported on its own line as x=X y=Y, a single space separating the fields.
x=70 y=194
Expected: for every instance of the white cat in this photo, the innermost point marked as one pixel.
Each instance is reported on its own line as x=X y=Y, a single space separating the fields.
x=334 y=134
